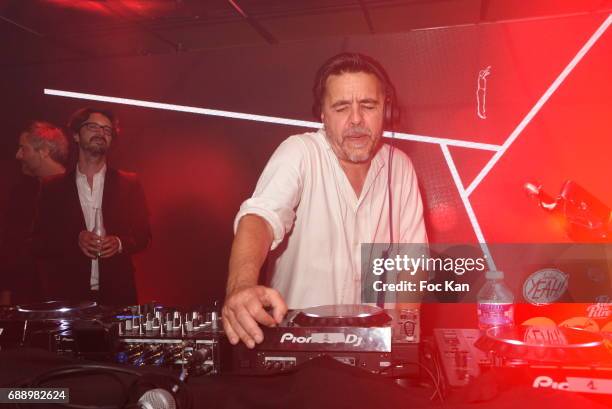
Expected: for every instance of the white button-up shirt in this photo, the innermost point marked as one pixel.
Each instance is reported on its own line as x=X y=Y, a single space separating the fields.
x=91 y=198
x=305 y=196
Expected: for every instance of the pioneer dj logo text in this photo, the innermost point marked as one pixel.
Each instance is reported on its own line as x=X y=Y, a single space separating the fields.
x=548 y=382
x=324 y=338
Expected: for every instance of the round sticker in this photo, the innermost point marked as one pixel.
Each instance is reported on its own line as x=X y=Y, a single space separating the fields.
x=545 y=286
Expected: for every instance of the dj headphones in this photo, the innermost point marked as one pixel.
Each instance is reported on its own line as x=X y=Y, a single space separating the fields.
x=355 y=62
x=140 y=388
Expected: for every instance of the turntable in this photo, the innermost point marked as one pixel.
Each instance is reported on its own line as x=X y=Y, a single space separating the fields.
x=529 y=353
x=349 y=327
x=51 y=310
x=524 y=344
x=551 y=357
x=48 y=325
x=357 y=335
x=348 y=315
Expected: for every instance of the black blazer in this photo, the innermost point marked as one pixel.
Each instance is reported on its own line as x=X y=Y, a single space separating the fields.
x=66 y=270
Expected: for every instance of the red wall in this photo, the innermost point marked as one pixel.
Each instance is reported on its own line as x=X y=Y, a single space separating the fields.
x=196 y=169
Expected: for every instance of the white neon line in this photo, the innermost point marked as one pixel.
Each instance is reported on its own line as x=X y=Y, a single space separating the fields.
x=536 y=108
x=259 y=118
x=182 y=108
x=468 y=206
x=511 y=20
x=238 y=9
x=443 y=141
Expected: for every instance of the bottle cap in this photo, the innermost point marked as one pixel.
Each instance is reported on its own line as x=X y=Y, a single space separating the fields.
x=494 y=275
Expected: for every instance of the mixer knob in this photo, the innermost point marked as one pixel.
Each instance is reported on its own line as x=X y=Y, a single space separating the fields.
x=135 y=354
x=188 y=323
x=126 y=352
x=121 y=357
x=195 y=319
x=205 y=353
x=173 y=354
x=187 y=353
x=151 y=354
x=214 y=320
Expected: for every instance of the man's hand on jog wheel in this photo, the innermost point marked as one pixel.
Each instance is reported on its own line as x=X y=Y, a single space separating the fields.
x=245 y=308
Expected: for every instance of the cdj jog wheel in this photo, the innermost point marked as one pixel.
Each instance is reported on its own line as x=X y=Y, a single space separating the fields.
x=346 y=315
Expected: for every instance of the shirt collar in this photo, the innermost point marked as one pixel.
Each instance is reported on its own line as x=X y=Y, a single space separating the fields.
x=100 y=173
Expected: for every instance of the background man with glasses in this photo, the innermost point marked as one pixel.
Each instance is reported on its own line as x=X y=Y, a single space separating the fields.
x=77 y=263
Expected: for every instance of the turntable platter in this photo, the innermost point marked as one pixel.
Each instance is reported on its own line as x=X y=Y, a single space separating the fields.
x=544 y=344
x=347 y=315
x=55 y=310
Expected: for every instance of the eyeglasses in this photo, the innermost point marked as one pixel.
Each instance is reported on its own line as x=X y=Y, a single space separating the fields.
x=94 y=127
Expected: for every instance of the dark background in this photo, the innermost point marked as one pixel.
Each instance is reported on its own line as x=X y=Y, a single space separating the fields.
x=196 y=169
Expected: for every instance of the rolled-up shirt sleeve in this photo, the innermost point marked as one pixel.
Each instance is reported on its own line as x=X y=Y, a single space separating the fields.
x=278 y=189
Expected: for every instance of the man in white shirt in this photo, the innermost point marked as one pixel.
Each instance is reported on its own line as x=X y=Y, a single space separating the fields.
x=322 y=195
x=80 y=265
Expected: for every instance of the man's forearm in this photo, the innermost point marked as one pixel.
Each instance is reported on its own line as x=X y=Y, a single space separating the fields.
x=249 y=251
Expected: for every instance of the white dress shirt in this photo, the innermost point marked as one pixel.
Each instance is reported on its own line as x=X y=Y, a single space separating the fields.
x=307 y=199
x=91 y=199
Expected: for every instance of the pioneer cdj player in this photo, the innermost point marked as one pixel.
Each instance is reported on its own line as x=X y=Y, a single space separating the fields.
x=357 y=335
x=542 y=357
x=52 y=325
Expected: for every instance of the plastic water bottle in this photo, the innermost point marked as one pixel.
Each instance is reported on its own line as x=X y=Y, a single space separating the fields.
x=495 y=302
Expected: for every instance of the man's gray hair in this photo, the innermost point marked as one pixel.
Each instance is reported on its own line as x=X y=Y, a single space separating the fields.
x=44 y=134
